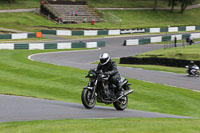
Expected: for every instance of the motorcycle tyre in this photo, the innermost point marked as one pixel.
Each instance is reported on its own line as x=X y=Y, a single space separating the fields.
x=119 y=106
x=85 y=100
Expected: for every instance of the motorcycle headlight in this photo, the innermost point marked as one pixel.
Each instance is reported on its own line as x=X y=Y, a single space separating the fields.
x=91 y=75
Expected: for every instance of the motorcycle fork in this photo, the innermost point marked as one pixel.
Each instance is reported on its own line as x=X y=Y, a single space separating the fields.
x=94 y=90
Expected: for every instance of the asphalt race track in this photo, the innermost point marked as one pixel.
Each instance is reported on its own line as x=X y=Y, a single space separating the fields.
x=17 y=108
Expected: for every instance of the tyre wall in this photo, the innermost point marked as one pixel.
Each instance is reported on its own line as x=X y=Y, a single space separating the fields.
x=157 y=61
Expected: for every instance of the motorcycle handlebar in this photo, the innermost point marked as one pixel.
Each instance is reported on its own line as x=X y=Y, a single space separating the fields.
x=104 y=76
x=100 y=73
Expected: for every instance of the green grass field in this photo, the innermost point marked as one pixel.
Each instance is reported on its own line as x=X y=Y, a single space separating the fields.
x=142 y=19
x=188 y=53
x=128 y=125
x=130 y=19
x=24 y=21
x=4 y=5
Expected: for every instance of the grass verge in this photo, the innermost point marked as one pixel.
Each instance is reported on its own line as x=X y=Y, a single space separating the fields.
x=187 y=53
x=128 y=125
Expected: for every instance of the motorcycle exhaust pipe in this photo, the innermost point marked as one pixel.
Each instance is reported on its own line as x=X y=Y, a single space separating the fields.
x=128 y=92
x=125 y=93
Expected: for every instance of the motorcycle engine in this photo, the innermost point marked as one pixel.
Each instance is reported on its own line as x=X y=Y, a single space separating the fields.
x=106 y=91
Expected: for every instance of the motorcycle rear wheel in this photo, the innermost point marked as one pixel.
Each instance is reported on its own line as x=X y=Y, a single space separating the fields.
x=197 y=74
x=121 y=104
x=87 y=101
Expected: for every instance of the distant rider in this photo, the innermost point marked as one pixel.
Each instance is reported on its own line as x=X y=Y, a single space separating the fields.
x=109 y=67
x=190 y=67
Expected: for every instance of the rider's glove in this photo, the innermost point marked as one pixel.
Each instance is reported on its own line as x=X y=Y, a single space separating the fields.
x=107 y=73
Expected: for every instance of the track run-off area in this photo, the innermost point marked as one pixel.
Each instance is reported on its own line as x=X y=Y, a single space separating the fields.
x=17 y=108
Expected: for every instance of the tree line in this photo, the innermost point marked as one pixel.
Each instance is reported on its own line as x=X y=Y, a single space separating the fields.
x=9 y=1
x=172 y=3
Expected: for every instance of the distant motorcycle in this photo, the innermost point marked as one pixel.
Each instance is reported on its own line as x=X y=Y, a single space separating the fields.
x=193 y=71
x=99 y=89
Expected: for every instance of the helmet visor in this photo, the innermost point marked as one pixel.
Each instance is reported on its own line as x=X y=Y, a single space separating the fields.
x=103 y=61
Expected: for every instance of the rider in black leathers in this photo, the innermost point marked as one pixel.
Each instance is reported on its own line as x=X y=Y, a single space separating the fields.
x=109 y=67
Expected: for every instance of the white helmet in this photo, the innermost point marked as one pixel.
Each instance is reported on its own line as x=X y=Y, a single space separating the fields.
x=104 y=58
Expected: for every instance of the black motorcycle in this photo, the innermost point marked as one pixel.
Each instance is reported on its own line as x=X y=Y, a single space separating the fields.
x=99 y=89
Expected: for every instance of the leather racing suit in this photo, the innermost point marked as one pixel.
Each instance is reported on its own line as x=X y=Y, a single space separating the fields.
x=111 y=69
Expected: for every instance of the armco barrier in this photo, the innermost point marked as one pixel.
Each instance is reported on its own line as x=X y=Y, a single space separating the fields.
x=156 y=61
x=172 y=29
x=87 y=32
x=81 y=32
x=63 y=45
x=119 y=32
x=18 y=36
x=155 y=39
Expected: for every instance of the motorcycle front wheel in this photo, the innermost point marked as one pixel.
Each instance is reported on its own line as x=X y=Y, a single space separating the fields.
x=121 y=104
x=87 y=99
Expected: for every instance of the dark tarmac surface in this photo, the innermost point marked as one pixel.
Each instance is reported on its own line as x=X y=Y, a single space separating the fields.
x=17 y=108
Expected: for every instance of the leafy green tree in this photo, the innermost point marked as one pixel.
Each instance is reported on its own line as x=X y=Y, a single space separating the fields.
x=155 y=4
x=172 y=3
x=184 y=4
x=9 y=1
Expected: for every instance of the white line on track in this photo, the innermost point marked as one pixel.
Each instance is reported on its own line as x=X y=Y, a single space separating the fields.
x=29 y=57
x=170 y=85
